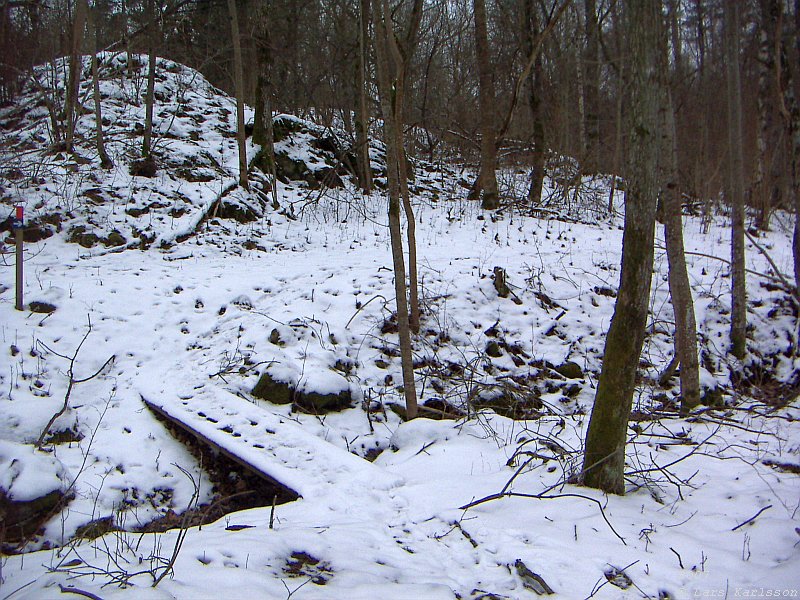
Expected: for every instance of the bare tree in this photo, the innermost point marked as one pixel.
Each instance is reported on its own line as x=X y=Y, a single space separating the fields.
x=790 y=109
x=769 y=166
x=735 y=182
x=362 y=117
x=604 y=460
x=263 y=132
x=387 y=86
x=239 y=84
x=105 y=160
x=486 y=184
x=531 y=29
x=75 y=66
x=591 y=86
x=679 y=288
x=151 y=79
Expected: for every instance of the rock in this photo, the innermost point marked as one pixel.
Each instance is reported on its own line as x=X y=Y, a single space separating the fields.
x=275 y=337
x=114 y=239
x=144 y=167
x=21 y=520
x=570 y=370
x=493 y=349
x=277 y=392
x=315 y=402
x=237 y=212
x=336 y=397
x=33 y=488
x=41 y=307
x=78 y=235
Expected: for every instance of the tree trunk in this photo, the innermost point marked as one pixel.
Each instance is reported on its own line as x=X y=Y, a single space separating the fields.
x=790 y=81
x=151 y=80
x=401 y=57
x=604 y=461
x=486 y=184
x=796 y=146
x=239 y=84
x=75 y=66
x=767 y=188
x=591 y=88
x=362 y=118
x=393 y=168
x=263 y=132
x=679 y=288
x=105 y=161
x=531 y=29
x=735 y=182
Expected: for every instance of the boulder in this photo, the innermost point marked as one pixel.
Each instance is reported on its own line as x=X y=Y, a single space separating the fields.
x=325 y=391
x=570 y=370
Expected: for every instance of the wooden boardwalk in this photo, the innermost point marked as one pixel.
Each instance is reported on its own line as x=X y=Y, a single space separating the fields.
x=273 y=446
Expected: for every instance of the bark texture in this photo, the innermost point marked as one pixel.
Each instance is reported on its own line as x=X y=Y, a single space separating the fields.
x=604 y=460
x=362 y=116
x=239 y=84
x=151 y=80
x=74 y=77
x=591 y=87
x=735 y=182
x=380 y=21
x=263 y=132
x=531 y=30
x=105 y=161
x=679 y=288
x=486 y=185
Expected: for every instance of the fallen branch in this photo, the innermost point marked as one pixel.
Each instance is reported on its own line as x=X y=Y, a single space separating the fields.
x=753 y=518
x=76 y=591
x=546 y=497
x=72 y=383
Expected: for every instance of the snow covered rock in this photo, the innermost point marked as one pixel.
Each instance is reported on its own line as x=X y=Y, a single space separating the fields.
x=32 y=486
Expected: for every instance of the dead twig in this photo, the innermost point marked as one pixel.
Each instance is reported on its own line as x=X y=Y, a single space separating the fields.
x=72 y=383
x=753 y=518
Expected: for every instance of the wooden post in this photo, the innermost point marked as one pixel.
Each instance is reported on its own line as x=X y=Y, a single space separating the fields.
x=18 y=229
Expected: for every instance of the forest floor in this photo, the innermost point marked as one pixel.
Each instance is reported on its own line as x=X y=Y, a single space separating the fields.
x=197 y=299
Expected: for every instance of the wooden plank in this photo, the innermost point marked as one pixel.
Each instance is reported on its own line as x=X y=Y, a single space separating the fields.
x=217 y=447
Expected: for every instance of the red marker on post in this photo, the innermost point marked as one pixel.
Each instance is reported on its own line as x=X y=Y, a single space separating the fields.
x=18 y=225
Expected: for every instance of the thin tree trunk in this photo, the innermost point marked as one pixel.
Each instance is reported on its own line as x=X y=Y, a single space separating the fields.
x=581 y=94
x=618 y=139
x=735 y=182
x=591 y=87
x=105 y=161
x=151 y=80
x=766 y=188
x=362 y=118
x=604 y=460
x=75 y=66
x=530 y=28
x=263 y=131
x=679 y=288
x=401 y=56
x=790 y=109
x=486 y=184
x=796 y=146
x=393 y=169
x=239 y=84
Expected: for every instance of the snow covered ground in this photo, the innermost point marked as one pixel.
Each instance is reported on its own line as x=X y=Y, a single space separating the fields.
x=305 y=292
